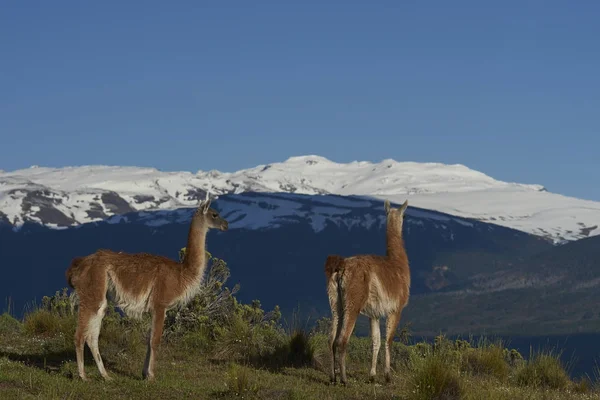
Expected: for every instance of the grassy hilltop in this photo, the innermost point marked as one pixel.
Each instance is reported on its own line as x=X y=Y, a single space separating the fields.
x=217 y=347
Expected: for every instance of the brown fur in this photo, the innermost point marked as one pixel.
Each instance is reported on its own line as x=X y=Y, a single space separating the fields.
x=372 y=285
x=69 y=273
x=139 y=283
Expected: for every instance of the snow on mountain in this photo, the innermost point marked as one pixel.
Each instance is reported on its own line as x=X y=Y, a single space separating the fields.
x=255 y=211
x=60 y=197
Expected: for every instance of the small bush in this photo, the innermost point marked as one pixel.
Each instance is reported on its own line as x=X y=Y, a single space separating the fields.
x=582 y=385
x=61 y=303
x=55 y=316
x=434 y=379
x=214 y=321
x=68 y=369
x=422 y=349
x=212 y=307
x=198 y=340
x=123 y=337
x=442 y=344
x=513 y=357
x=447 y=350
x=543 y=371
x=319 y=342
x=460 y=344
x=360 y=350
x=404 y=334
x=322 y=326
x=402 y=356
x=46 y=323
x=301 y=352
x=239 y=381
x=296 y=352
x=246 y=340
x=120 y=337
x=8 y=324
x=488 y=361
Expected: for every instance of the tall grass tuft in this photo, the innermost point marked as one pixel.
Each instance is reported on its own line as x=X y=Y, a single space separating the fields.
x=487 y=360
x=543 y=370
x=239 y=381
x=434 y=379
x=46 y=323
x=9 y=325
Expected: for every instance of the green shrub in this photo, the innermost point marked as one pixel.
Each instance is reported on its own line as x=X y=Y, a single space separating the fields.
x=8 y=324
x=68 y=369
x=360 y=350
x=422 y=349
x=210 y=308
x=543 y=371
x=441 y=344
x=246 y=337
x=447 y=350
x=404 y=334
x=297 y=351
x=61 y=304
x=214 y=321
x=239 y=381
x=55 y=316
x=122 y=337
x=300 y=350
x=319 y=343
x=46 y=323
x=403 y=356
x=581 y=385
x=214 y=318
x=198 y=340
x=460 y=344
x=488 y=361
x=434 y=379
x=513 y=357
x=322 y=326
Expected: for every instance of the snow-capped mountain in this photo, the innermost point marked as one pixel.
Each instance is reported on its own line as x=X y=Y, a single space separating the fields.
x=61 y=197
x=252 y=211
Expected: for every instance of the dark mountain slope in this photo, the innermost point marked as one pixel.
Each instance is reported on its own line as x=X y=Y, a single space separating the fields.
x=555 y=291
x=280 y=263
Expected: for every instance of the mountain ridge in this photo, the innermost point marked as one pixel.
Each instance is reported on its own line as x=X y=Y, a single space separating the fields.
x=68 y=196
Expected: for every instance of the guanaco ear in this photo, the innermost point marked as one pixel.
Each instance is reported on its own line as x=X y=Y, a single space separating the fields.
x=387 y=206
x=403 y=207
x=205 y=206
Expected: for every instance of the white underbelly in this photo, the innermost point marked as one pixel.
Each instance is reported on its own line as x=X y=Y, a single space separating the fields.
x=379 y=302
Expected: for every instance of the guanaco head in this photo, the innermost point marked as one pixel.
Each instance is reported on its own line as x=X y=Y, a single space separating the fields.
x=210 y=216
x=395 y=214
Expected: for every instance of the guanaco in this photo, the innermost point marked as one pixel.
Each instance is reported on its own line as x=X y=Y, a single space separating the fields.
x=139 y=283
x=372 y=285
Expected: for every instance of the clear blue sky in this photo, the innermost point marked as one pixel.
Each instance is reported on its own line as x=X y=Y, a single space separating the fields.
x=510 y=88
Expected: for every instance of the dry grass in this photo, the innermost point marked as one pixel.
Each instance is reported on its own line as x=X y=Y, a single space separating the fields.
x=434 y=379
x=487 y=361
x=543 y=371
x=248 y=355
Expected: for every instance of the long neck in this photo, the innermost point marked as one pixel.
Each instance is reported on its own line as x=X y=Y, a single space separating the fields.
x=395 y=243
x=195 y=257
